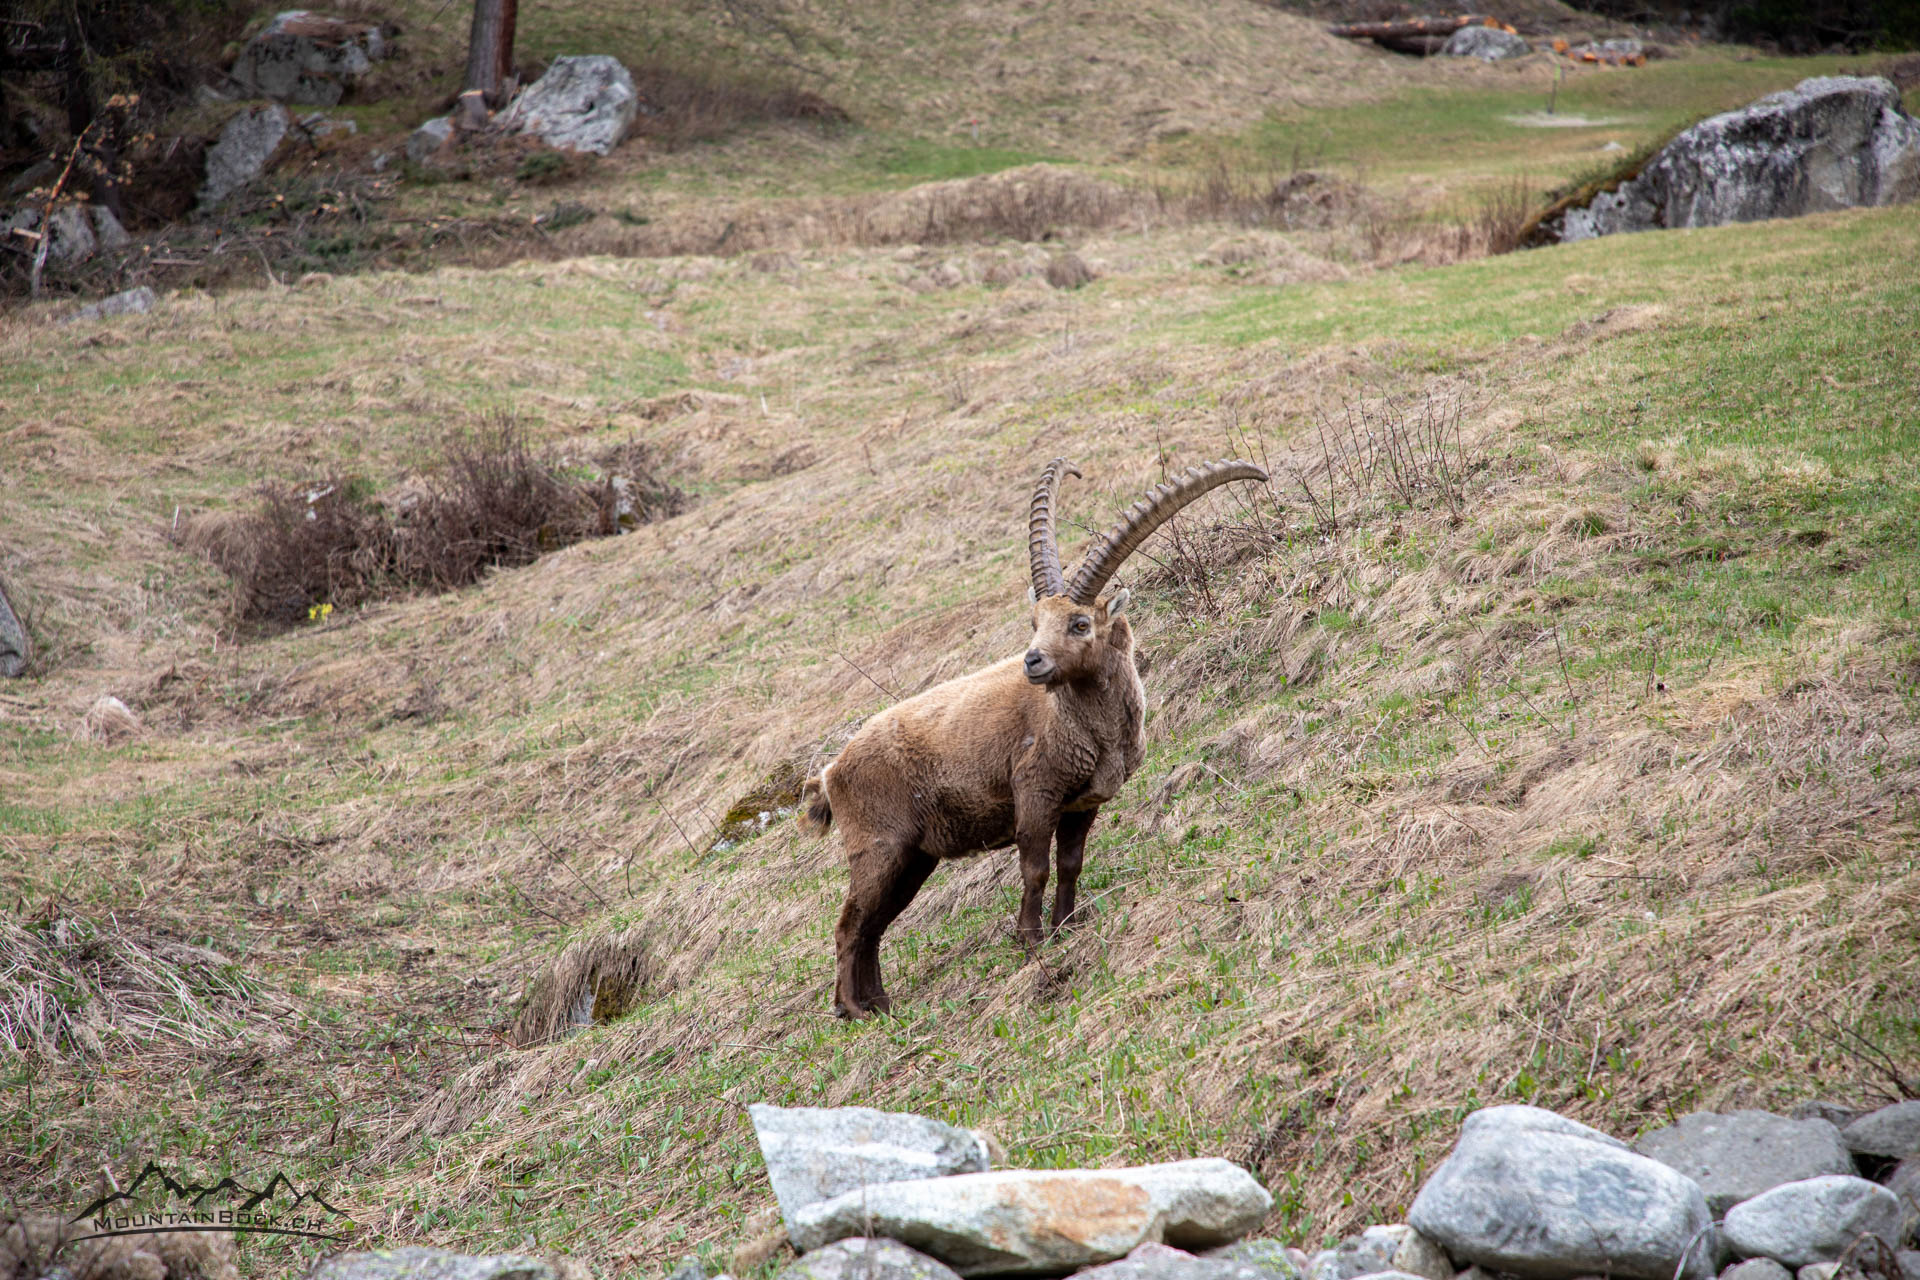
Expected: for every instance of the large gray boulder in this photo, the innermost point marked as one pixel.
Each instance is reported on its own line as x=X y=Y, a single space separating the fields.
x=1893 y=1132
x=1812 y=1221
x=1045 y=1220
x=1489 y=44
x=1534 y=1193
x=1164 y=1262
x=79 y=231
x=868 y=1259
x=1735 y=1157
x=308 y=58
x=581 y=104
x=1833 y=142
x=416 y=1263
x=817 y=1153
x=244 y=150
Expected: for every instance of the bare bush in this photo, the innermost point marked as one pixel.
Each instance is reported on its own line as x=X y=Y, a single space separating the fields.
x=492 y=501
x=1505 y=215
x=1385 y=447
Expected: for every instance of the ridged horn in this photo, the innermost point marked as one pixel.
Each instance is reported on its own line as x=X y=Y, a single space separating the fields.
x=1162 y=503
x=1043 y=550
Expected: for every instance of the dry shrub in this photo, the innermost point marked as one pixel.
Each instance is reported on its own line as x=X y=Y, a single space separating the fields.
x=1038 y=204
x=1294 y=200
x=492 y=501
x=1505 y=216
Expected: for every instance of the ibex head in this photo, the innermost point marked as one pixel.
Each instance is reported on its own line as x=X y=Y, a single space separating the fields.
x=1072 y=623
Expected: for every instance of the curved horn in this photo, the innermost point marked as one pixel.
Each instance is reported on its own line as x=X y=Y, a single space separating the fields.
x=1162 y=503
x=1043 y=551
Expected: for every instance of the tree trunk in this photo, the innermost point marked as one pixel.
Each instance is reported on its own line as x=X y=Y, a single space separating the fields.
x=490 y=48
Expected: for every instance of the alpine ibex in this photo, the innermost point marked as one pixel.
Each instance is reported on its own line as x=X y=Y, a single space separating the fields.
x=1025 y=751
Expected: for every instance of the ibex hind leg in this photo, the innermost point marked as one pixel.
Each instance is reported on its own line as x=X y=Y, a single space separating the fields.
x=882 y=880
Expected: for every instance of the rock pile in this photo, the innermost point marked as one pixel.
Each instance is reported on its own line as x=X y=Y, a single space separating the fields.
x=1833 y=142
x=1525 y=1193
x=308 y=58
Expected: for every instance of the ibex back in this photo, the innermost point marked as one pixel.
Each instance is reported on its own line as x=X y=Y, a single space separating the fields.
x=1024 y=752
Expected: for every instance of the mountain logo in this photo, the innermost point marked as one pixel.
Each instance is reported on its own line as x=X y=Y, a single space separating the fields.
x=278 y=1208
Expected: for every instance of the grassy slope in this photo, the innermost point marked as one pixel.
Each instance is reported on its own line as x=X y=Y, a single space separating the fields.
x=1600 y=797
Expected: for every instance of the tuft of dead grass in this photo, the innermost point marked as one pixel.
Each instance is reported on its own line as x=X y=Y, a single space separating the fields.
x=592 y=981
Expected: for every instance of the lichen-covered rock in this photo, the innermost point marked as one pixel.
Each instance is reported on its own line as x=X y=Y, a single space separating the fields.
x=817 y=1153
x=308 y=58
x=868 y=1259
x=1833 y=142
x=1736 y=1156
x=245 y=148
x=1531 y=1192
x=1814 y=1220
x=1272 y=1258
x=1489 y=44
x=1892 y=1132
x=16 y=647
x=580 y=104
x=424 y=143
x=1046 y=1220
x=130 y=302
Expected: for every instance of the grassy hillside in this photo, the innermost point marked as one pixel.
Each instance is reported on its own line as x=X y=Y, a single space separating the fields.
x=1587 y=780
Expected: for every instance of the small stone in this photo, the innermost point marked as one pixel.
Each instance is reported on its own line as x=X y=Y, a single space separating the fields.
x=688 y=1268
x=424 y=143
x=1818 y=1271
x=1271 y=1258
x=1892 y=1132
x=861 y=1258
x=1832 y=1112
x=417 y=1263
x=1397 y=1247
x=1814 y=1220
x=128 y=303
x=1736 y=1156
x=1757 y=1269
x=1152 y=1261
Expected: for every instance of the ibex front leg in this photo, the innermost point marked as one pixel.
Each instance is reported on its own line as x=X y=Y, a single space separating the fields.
x=1036 y=848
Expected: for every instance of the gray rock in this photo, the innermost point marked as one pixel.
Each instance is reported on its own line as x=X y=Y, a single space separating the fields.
x=16 y=647
x=688 y=1268
x=1892 y=1131
x=1271 y=1258
x=1904 y=1182
x=868 y=1259
x=1489 y=44
x=306 y=58
x=1834 y=142
x=1531 y=1192
x=1380 y=1249
x=1045 y=1220
x=817 y=1153
x=1757 y=1269
x=1832 y=1112
x=1818 y=1271
x=1813 y=1220
x=108 y=234
x=1908 y=1260
x=423 y=143
x=416 y=1263
x=244 y=150
x=581 y=104
x=1735 y=1157
x=131 y=302
x=1163 y=1262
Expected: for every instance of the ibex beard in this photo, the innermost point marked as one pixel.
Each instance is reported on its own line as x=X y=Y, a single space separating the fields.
x=1023 y=752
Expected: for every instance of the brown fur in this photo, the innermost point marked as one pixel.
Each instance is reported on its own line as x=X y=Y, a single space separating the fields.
x=1023 y=752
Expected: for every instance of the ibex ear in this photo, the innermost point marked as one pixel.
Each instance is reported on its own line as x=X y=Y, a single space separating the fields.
x=1033 y=597
x=1117 y=602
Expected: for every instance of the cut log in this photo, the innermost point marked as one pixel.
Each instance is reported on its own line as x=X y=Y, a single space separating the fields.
x=1409 y=27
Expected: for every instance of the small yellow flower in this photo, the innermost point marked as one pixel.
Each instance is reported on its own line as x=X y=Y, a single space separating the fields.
x=319 y=612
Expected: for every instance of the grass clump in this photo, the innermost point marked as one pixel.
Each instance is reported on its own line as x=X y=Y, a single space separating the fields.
x=492 y=501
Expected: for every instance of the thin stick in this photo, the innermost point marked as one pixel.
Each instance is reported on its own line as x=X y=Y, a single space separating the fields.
x=863 y=671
